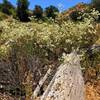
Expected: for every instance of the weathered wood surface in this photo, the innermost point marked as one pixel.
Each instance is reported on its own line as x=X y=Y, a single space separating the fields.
x=67 y=84
x=41 y=82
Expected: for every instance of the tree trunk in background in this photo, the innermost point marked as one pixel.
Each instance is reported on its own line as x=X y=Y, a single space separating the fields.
x=67 y=84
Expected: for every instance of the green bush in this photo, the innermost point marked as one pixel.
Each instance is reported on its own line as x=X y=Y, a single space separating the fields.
x=76 y=15
x=7 y=8
x=43 y=38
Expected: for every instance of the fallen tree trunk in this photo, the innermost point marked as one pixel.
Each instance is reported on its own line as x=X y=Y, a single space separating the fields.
x=67 y=84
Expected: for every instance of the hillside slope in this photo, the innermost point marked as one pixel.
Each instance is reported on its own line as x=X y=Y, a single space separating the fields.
x=27 y=50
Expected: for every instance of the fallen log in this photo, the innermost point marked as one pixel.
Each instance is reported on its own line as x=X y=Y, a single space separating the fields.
x=67 y=84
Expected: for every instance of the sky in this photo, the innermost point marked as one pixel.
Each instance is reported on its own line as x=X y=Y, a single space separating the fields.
x=61 y=4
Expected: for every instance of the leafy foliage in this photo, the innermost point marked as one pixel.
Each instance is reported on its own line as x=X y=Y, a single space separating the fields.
x=46 y=39
x=38 y=12
x=76 y=15
x=7 y=8
x=51 y=11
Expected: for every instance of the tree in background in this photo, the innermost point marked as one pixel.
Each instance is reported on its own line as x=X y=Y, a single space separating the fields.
x=51 y=11
x=96 y=4
x=38 y=12
x=7 y=8
x=22 y=10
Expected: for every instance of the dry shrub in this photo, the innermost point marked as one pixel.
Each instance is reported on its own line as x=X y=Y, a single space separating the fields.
x=90 y=74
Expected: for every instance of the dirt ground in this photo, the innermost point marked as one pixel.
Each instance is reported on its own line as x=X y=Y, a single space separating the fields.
x=93 y=91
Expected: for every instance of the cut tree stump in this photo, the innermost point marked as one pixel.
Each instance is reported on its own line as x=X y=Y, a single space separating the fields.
x=67 y=84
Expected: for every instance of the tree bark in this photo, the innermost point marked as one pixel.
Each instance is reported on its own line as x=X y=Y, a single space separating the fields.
x=67 y=84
